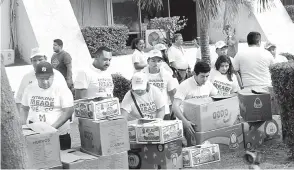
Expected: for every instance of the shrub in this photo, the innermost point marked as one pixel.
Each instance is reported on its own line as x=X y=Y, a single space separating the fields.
x=282 y=75
x=113 y=37
x=290 y=10
x=288 y=56
x=121 y=86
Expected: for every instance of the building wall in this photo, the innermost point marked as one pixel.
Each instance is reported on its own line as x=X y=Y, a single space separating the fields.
x=5 y=25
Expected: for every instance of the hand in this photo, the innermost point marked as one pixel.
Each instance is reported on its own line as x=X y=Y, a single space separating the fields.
x=189 y=126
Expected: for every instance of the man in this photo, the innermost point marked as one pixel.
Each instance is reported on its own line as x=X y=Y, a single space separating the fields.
x=272 y=48
x=253 y=63
x=62 y=62
x=194 y=87
x=30 y=77
x=46 y=101
x=95 y=81
x=161 y=78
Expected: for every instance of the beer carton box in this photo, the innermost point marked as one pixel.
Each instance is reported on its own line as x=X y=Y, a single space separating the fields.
x=208 y=115
x=228 y=138
x=156 y=156
x=275 y=107
x=97 y=108
x=42 y=144
x=200 y=154
x=75 y=159
x=104 y=137
x=255 y=107
x=257 y=133
x=159 y=132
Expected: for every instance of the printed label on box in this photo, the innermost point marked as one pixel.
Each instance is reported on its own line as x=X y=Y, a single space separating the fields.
x=132 y=133
x=172 y=132
x=107 y=108
x=149 y=134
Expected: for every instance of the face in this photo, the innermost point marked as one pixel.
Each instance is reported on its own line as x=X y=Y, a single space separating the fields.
x=201 y=78
x=155 y=63
x=140 y=45
x=56 y=47
x=179 y=40
x=140 y=92
x=272 y=50
x=228 y=31
x=36 y=60
x=224 y=68
x=222 y=51
x=102 y=62
x=45 y=82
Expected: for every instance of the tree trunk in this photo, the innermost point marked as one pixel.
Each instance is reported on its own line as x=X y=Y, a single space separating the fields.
x=204 y=42
x=13 y=151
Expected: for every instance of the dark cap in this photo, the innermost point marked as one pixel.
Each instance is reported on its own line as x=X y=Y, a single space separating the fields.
x=44 y=69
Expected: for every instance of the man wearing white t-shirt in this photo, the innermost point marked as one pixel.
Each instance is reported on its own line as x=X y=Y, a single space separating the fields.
x=30 y=77
x=272 y=48
x=194 y=87
x=95 y=81
x=221 y=48
x=143 y=100
x=160 y=78
x=253 y=63
x=50 y=102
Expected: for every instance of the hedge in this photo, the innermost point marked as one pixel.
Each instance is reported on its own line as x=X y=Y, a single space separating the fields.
x=288 y=56
x=121 y=86
x=113 y=37
x=282 y=75
x=290 y=10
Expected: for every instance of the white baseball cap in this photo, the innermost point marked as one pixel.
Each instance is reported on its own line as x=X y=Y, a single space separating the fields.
x=160 y=47
x=36 y=52
x=139 y=81
x=182 y=66
x=220 y=44
x=269 y=44
x=155 y=53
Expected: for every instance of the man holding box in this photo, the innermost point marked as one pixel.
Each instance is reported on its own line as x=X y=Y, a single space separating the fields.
x=47 y=101
x=194 y=87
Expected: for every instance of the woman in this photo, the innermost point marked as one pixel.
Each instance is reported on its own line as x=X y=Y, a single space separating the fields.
x=224 y=78
x=139 y=58
x=143 y=100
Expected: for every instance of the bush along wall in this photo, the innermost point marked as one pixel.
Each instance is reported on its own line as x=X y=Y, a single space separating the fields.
x=290 y=10
x=113 y=37
x=283 y=85
x=121 y=86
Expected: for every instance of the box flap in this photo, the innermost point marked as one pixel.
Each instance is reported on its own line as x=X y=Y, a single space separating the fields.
x=41 y=127
x=254 y=91
x=73 y=155
x=199 y=101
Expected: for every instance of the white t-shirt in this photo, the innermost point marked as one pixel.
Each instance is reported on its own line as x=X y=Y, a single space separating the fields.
x=139 y=57
x=222 y=83
x=46 y=104
x=253 y=64
x=148 y=104
x=280 y=59
x=30 y=77
x=177 y=55
x=190 y=89
x=164 y=81
x=98 y=83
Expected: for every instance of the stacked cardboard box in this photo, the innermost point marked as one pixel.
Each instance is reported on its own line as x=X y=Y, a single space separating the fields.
x=155 y=144
x=261 y=123
x=104 y=136
x=217 y=122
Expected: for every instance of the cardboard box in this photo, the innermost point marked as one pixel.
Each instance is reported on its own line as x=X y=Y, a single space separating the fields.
x=257 y=133
x=42 y=143
x=156 y=156
x=255 y=107
x=74 y=159
x=200 y=154
x=97 y=109
x=104 y=137
x=219 y=114
x=159 y=132
x=228 y=138
x=275 y=107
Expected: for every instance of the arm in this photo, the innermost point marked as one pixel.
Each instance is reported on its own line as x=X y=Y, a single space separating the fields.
x=80 y=94
x=139 y=66
x=238 y=75
x=67 y=113
x=160 y=112
x=172 y=94
x=68 y=63
x=24 y=112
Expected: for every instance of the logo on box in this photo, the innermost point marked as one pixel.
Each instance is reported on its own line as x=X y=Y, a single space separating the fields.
x=234 y=144
x=257 y=103
x=134 y=161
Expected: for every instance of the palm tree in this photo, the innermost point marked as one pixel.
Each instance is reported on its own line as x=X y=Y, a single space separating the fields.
x=210 y=9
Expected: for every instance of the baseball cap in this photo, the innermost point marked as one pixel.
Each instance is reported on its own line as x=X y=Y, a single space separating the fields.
x=36 y=52
x=160 y=47
x=139 y=81
x=182 y=66
x=155 y=53
x=269 y=44
x=44 y=69
x=220 y=44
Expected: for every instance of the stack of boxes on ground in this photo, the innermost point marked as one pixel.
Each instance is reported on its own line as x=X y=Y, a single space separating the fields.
x=104 y=136
x=155 y=144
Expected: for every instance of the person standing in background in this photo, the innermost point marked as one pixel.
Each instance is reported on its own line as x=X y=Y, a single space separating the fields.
x=272 y=48
x=231 y=40
x=139 y=58
x=62 y=61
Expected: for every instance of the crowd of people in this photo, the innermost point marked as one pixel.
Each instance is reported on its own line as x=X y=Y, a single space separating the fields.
x=162 y=80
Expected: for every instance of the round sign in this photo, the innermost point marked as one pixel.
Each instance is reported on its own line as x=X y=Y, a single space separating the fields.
x=233 y=138
x=134 y=161
x=271 y=129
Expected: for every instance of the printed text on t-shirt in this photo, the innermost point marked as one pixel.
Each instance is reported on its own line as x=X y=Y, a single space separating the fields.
x=41 y=104
x=147 y=109
x=223 y=88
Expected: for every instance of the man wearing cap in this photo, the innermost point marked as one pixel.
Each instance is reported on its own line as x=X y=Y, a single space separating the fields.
x=221 y=48
x=160 y=78
x=165 y=64
x=272 y=49
x=95 y=81
x=36 y=57
x=144 y=100
x=46 y=101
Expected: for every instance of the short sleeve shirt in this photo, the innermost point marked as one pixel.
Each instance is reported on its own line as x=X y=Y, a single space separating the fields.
x=139 y=57
x=178 y=56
